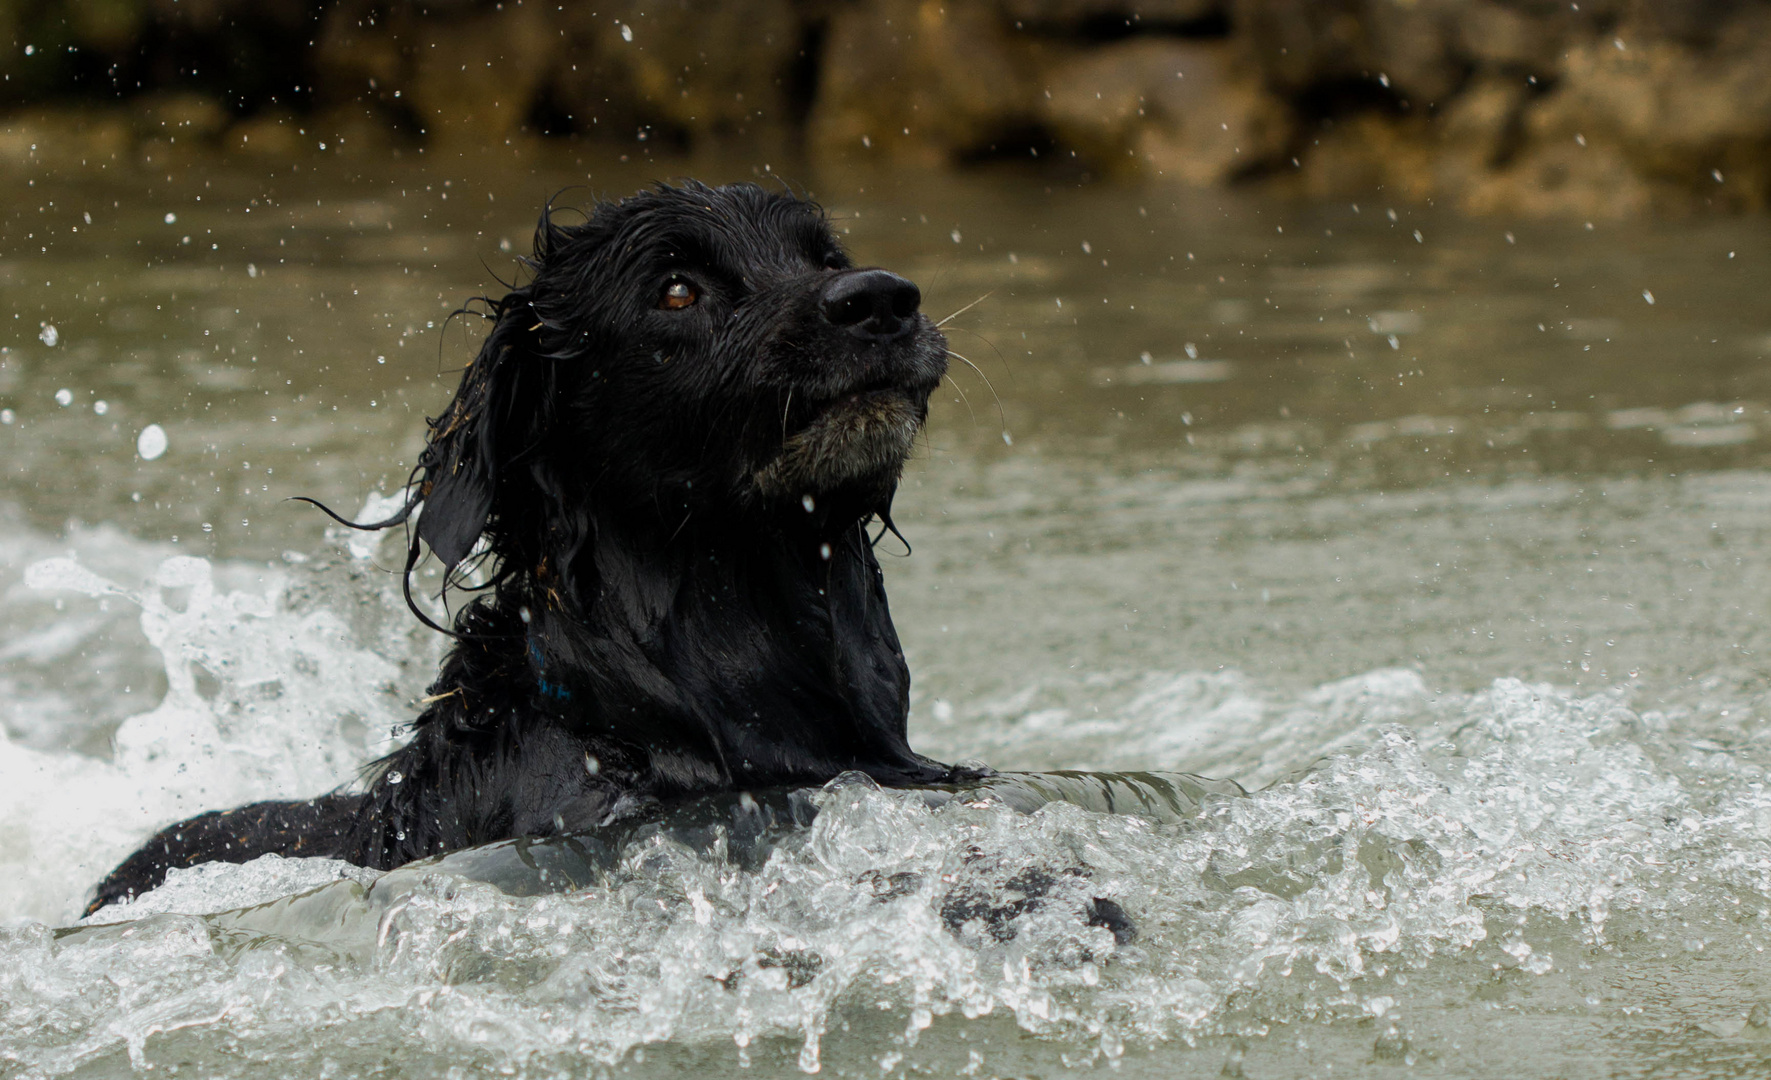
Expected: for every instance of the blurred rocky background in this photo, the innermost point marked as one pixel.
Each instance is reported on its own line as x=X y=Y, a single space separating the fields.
x=1602 y=108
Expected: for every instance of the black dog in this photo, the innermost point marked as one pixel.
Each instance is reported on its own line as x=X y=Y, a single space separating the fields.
x=670 y=445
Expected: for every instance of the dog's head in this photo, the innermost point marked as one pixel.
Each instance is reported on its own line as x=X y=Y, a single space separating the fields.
x=686 y=354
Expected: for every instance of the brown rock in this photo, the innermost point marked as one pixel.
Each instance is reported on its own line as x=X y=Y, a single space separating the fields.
x=1170 y=107
x=698 y=69
x=1419 y=51
x=1368 y=152
x=272 y=134
x=64 y=138
x=1072 y=15
x=1499 y=35
x=922 y=80
x=463 y=72
x=1562 y=180
x=181 y=117
x=1671 y=105
x=1481 y=126
x=107 y=25
x=1649 y=125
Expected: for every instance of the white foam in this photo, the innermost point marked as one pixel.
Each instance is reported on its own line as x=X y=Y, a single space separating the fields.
x=262 y=701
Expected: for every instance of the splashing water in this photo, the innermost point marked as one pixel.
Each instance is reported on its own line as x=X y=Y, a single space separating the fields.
x=263 y=700
x=1499 y=835
x=1416 y=860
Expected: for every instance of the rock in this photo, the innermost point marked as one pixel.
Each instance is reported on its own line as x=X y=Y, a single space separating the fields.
x=270 y=134
x=1166 y=107
x=923 y=81
x=1368 y=152
x=1418 y=53
x=1482 y=125
x=65 y=138
x=179 y=117
x=1563 y=180
x=1070 y=16
x=109 y=26
x=1500 y=36
x=459 y=71
x=698 y=71
x=1674 y=113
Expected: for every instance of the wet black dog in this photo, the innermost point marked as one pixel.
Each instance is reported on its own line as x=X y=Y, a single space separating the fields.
x=671 y=445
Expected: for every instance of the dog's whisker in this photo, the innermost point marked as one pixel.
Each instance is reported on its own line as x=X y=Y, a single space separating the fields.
x=962 y=397
x=1006 y=366
x=1000 y=415
x=965 y=309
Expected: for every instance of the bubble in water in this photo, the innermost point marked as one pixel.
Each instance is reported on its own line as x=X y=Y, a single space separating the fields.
x=101 y=407
x=151 y=443
x=170 y=218
x=49 y=335
x=64 y=397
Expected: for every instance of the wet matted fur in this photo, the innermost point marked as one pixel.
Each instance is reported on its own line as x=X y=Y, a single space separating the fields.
x=670 y=446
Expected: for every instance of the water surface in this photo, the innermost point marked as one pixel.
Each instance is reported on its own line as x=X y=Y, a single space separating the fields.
x=1439 y=535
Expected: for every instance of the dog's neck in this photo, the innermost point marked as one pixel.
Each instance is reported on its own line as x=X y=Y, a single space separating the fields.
x=702 y=660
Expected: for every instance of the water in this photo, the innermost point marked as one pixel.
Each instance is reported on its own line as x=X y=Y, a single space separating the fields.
x=1277 y=493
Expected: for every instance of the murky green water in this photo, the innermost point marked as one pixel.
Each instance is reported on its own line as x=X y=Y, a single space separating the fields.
x=1241 y=488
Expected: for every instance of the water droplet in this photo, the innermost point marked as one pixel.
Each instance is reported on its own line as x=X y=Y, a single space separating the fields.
x=171 y=217
x=64 y=397
x=808 y=502
x=955 y=235
x=1648 y=296
x=101 y=407
x=396 y=776
x=626 y=32
x=151 y=443
x=49 y=335
x=824 y=551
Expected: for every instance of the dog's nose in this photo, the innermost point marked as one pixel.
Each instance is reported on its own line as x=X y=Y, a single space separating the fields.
x=871 y=303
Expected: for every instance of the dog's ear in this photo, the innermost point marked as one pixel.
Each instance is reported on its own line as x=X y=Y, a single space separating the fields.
x=471 y=442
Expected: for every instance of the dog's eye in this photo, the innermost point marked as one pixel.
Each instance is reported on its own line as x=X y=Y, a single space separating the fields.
x=677 y=295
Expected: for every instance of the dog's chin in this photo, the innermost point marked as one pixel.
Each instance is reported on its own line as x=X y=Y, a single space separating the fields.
x=857 y=442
